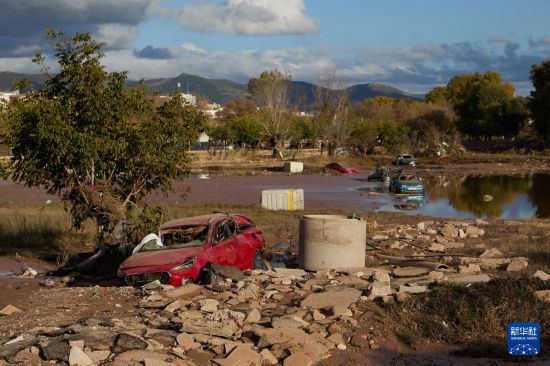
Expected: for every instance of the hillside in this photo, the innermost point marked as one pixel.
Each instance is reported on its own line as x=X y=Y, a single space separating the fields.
x=221 y=91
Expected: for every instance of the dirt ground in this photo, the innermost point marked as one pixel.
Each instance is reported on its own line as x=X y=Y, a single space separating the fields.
x=43 y=305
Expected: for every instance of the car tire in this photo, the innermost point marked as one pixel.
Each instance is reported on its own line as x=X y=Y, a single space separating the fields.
x=260 y=262
x=208 y=277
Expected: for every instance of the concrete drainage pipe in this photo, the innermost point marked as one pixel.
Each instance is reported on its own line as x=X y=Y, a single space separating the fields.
x=332 y=242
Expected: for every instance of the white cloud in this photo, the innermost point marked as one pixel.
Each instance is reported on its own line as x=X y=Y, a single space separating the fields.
x=246 y=17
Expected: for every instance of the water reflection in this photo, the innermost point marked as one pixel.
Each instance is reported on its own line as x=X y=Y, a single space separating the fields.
x=463 y=196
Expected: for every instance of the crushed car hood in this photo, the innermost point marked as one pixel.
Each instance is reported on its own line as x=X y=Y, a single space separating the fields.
x=160 y=257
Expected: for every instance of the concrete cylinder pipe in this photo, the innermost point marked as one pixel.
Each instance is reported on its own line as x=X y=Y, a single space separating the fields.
x=332 y=242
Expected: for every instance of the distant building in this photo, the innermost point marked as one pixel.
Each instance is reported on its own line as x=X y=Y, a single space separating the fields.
x=212 y=109
x=9 y=96
x=189 y=99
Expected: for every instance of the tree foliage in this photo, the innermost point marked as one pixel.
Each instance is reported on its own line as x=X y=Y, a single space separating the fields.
x=539 y=100
x=331 y=109
x=270 y=89
x=99 y=146
x=485 y=105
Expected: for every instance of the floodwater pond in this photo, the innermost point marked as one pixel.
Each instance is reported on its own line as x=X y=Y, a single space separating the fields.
x=504 y=196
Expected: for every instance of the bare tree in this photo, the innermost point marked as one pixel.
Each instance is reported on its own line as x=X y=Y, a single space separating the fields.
x=331 y=107
x=271 y=90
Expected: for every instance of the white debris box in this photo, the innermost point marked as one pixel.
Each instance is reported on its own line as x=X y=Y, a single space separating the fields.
x=283 y=199
x=293 y=167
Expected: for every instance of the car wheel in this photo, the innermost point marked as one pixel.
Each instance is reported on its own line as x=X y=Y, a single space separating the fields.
x=260 y=262
x=209 y=277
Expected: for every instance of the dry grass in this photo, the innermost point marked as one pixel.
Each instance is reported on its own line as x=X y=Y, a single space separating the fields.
x=530 y=239
x=36 y=229
x=475 y=317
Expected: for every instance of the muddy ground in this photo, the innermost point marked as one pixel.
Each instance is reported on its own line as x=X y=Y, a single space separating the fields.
x=59 y=303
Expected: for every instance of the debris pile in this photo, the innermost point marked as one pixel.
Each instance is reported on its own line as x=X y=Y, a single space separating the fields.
x=282 y=316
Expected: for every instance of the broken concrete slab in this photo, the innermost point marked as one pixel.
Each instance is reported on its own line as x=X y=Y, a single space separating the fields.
x=79 y=358
x=297 y=359
x=186 y=291
x=9 y=310
x=410 y=271
x=342 y=297
x=381 y=285
x=412 y=289
x=469 y=269
x=467 y=278
x=241 y=355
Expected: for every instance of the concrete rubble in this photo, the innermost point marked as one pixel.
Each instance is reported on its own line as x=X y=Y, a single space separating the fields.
x=282 y=316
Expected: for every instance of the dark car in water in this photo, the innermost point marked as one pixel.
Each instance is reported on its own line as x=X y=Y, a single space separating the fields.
x=407 y=183
x=186 y=250
x=405 y=159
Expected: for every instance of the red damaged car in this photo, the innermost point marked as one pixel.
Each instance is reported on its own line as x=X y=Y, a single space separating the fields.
x=342 y=168
x=186 y=249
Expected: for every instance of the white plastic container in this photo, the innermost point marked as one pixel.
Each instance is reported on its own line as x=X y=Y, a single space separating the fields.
x=283 y=199
x=293 y=167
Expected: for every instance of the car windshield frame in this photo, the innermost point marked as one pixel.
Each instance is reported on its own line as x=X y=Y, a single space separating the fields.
x=197 y=236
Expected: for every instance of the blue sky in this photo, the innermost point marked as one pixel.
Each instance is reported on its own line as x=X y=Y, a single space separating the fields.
x=410 y=44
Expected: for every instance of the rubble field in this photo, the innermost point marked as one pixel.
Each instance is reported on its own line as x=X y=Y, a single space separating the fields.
x=437 y=292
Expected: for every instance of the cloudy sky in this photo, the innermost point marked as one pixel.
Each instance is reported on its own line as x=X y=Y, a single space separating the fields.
x=410 y=44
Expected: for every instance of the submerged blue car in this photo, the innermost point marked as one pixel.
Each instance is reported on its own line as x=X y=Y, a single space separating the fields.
x=407 y=183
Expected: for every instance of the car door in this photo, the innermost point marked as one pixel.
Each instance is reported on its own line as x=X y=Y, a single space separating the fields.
x=245 y=249
x=222 y=249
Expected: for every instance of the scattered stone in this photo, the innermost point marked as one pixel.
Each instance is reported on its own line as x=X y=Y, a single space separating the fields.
x=359 y=340
x=9 y=350
x=436 y=247
x=454 y=245
x=517 y=264
x=9 y=310
x=462 y=234
x=344 y=297
x=381 y=285
x=253 y=316
x=412 y=289
x=209 y=305
x=127 y=342
x=187 y=291
x=173 y=306
x=470 y=268
x=241 y=355
x=465 y=279
x=421 y=226
x=153 y=362
x=543 y=295
x=285 y=322
x=410 y=271
x=98 y=356
x=79 y=358
x=186 y=342
x=492 y=253
x=380 y=237
x=449 y=231
x=474 y=231
x=268 y=358
x=481 y=222
x=298 y=359
x=30 y=272
x=291 y=272
x=317 y=315
x=541 y=275
x=487 y=198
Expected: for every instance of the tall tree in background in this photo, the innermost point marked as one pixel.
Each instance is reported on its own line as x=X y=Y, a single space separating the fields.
x=331 y=107
x=482 y=103
x=539 y=100
x=271 y=90
x=100 y=147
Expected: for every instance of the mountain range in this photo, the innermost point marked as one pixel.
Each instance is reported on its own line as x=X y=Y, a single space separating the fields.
x=222 y=91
